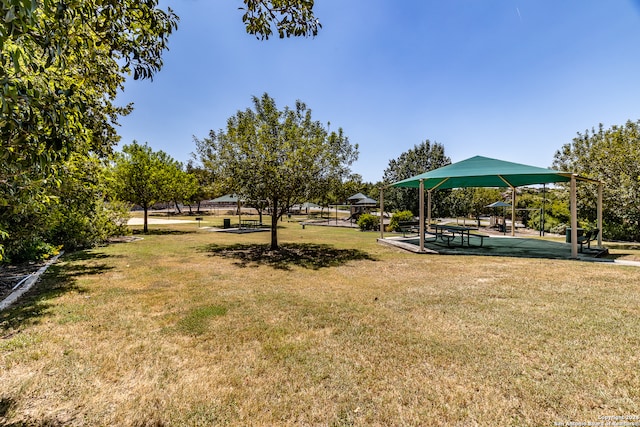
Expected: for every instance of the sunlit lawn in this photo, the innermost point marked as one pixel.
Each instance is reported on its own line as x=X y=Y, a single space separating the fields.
x=191 y=327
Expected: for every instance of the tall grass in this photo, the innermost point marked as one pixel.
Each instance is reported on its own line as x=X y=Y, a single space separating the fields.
x=173 y=330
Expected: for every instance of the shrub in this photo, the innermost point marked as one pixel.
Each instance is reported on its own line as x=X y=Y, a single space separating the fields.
x=31 y=249
x=75 y=229
x=558 y=229
x=368 y=222
x=398 y=217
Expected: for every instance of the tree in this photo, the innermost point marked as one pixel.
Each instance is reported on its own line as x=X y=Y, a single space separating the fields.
x=480 y=198
x=421 y=158
x=181 y=186
x=281 y=157
x=75 y=216
x=81 y=216
x=613 y=157
x=143 y=176
x=205 y=184
x=62 y=65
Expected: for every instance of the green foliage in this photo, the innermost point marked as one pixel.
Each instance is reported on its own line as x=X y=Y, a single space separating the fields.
x=465 y=202
x=556 y=210
x=421 y=158
x=145 y=177
x=282 y=158
x=368 y=222
x=3 y=236
x=32 y=248
x=613 y=157
x=181 y=186
x=75 y=217
x=74 y=229
x=205 y=184
x=289 y=17
x=62 y=65
x=80 y=217
x=398 y=217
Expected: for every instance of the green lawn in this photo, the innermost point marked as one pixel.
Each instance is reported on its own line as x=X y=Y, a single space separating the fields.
x=191 y=327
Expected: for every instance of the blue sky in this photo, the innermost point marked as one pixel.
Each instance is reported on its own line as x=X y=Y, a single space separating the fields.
x=510 y=79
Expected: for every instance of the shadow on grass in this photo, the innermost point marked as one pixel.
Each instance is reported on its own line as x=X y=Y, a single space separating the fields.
x=622 y=257
x=7 y=404
x=59 y=279
x=307 y=255
x=161 y=232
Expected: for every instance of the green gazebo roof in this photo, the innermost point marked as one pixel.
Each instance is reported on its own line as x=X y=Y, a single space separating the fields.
x=481 y=171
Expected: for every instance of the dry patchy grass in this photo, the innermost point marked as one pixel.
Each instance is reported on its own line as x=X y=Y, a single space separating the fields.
x=191 y=328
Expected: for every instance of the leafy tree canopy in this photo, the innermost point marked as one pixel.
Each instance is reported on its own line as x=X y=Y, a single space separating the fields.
x=421 y=158
x=613 y=157
x=282 y=157
x=62 y=63
x=288 y=17
x=145 y=177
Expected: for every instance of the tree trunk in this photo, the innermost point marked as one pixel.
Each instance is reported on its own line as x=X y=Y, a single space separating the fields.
x=177 y=207
x=274 y=226
x=145 y=227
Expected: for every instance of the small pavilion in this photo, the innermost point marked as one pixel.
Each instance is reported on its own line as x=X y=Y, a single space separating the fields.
x=359 y=204
x=481 y=171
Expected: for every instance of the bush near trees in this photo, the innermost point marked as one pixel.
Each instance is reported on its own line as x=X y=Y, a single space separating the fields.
x=398 y=217
x=76 y=216
x=368 y=222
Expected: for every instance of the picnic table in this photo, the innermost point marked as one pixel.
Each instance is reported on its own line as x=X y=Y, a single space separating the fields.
x=447 y=233
x=249 y=223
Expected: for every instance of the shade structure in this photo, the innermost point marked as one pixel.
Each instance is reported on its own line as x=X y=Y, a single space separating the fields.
x=227 y=198
x=357 y=196
x=481 y=171
x=367 y=201
x=498 y=204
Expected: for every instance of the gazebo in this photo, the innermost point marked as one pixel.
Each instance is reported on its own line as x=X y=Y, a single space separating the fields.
x=360 y=203
x=481 y=171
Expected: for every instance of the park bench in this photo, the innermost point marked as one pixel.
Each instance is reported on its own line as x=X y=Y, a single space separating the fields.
x=411 y=227
x=477 y=236
x=447 y=232
x=587 y=238
x=447 y=237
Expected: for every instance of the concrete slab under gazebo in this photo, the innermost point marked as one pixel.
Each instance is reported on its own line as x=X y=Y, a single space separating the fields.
x=499 y=245
x=481 y=171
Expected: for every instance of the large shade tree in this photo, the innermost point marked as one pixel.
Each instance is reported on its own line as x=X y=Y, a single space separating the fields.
x=62 y=64
x=145 y=177
x=611 y=156
x=421 y=158
x=282 y=157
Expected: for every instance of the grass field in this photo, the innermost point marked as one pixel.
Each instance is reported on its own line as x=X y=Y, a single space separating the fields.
x=195 y=328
